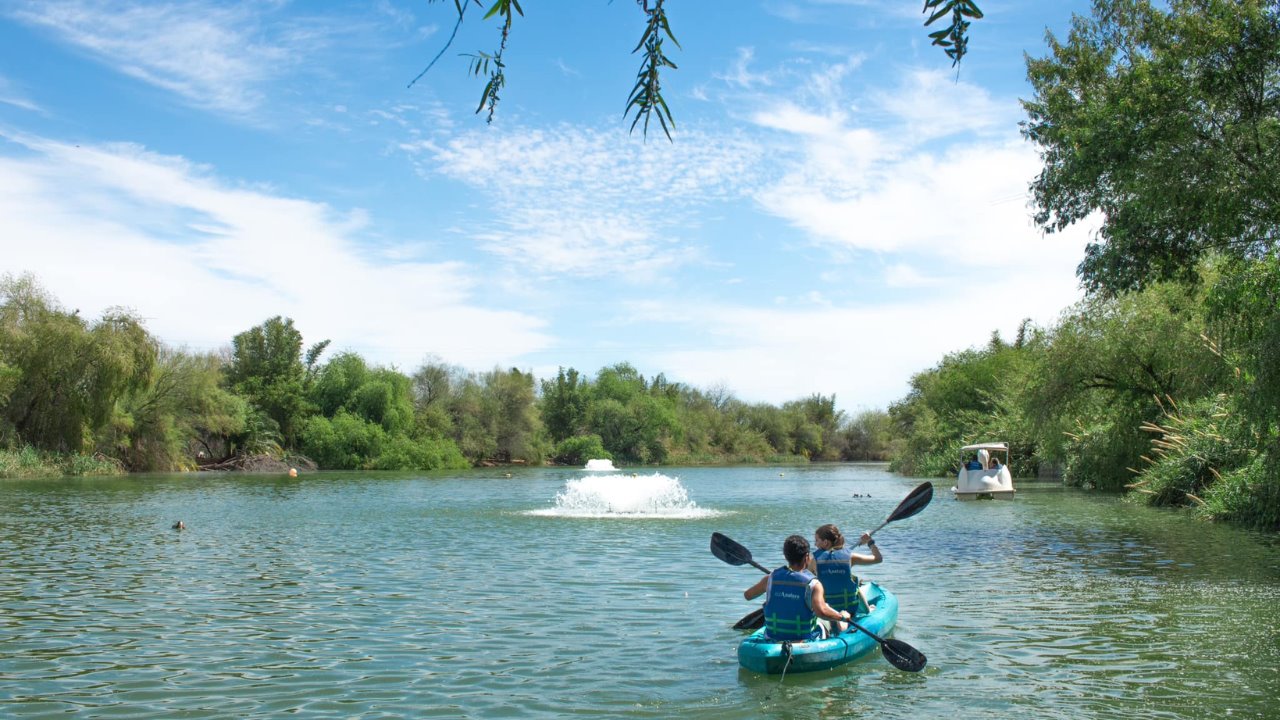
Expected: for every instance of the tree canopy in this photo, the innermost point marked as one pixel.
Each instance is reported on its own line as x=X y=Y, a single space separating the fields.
x=1166 y=124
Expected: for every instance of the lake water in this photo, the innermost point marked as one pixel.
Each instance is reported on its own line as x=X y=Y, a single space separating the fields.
x=554 y=593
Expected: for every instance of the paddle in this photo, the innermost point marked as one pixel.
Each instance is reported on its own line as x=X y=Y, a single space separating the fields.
x=897 y=652
x=913 y=503
x=753 y=620
x=731 y=552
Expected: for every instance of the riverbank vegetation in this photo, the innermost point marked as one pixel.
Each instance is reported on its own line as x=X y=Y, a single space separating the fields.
x=28 y=462
x=1164 y=124
x=1166 y=393
x=74 y=391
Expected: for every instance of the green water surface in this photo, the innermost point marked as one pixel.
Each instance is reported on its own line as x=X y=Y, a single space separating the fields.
x=472 y=595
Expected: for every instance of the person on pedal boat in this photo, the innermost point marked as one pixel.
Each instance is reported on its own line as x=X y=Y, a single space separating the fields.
x=794 y=605
x=832 y=563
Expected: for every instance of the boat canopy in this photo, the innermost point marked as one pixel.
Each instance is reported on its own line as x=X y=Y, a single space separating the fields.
x=985 y=446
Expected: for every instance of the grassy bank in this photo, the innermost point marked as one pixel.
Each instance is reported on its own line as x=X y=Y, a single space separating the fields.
x=27 y=462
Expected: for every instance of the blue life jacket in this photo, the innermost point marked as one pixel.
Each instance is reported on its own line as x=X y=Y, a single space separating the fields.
x=787 y=615
x=838 y=581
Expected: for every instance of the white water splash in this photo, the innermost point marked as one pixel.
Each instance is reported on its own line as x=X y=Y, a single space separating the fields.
x=629 y=496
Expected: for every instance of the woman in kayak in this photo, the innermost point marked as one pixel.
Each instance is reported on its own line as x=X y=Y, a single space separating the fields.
x=794 y=599
x=833 y=563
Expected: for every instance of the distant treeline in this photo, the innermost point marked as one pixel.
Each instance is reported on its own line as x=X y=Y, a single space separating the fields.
x=1171 y=392
x=110 y=394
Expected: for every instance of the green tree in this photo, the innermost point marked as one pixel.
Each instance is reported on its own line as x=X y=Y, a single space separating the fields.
x=1113 y=364
x=176 y=417
x=621 y=382
x=267 y=367
x=970 y=396
x=816 y=422
x=866 y=437
x=1164 y=124
x=494 y=417
x=1244 y=313
x=771 y=424
x=64 y=375
x=432 y=386
x=470 y=411
x=564 y=404
x=345 y=441
x=514 y=418
x=579 y=449
x=634 y=424
x=377 y=417
x=401 y=452
x=386 y=399
x=337 y=382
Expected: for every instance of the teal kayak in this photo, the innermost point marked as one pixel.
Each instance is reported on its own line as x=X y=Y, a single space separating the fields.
x=759 y=654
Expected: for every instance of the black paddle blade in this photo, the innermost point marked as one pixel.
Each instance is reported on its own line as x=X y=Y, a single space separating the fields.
x=913 y=503
x=903 y=656
x=753 y=620
x=728 y=550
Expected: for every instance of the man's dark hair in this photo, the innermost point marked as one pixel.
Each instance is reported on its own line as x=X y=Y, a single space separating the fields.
x=795 y=548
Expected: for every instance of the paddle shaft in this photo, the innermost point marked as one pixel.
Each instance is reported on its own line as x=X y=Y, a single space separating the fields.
x=873 y=532
x=914 y=502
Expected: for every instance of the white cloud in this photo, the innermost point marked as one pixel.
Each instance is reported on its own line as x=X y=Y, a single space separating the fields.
x=902 y=275
x=928 y=182
x=951 y=206
x=588 y=202
x=930 y=104
x=876 y=182
x=213 y=55
x=202 y=260
x=863 y=353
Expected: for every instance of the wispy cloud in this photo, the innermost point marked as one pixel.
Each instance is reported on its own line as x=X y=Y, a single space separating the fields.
x=740 y=74
x=806 y=12
x=213 y=55
x=587 y=201
x=565 y=69
x=205 y=259
x=9 y=95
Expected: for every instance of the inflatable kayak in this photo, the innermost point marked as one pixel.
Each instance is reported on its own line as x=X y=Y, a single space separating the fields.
x=759 y=654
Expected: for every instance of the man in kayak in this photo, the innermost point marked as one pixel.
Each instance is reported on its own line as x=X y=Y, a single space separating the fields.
x=794 y=599
x=833 y=563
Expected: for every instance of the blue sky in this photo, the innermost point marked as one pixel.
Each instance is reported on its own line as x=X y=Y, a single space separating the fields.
x=839 y=208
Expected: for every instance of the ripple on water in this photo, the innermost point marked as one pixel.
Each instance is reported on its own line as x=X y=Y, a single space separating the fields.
x=403 y=596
